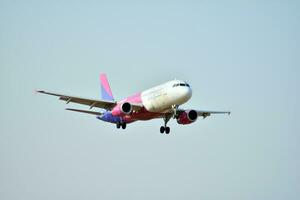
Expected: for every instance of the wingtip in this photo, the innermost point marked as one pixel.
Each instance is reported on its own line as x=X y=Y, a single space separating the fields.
x=70 y=109
x=39 y=91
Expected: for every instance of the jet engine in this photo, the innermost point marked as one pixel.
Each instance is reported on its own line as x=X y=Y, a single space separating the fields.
x=187 y=117
x=122 y=109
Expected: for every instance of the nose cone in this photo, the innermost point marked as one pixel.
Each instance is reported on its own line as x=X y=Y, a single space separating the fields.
x=188 y=93
x=185 y=94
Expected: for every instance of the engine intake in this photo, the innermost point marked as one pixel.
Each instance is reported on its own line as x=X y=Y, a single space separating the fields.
x=187 y=117
x=122 y=109
x=126 y=108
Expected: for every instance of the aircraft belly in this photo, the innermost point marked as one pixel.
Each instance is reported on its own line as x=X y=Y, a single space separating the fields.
x=144 y=114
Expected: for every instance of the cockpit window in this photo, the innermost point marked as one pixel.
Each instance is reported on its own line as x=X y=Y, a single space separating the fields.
x=181 y=84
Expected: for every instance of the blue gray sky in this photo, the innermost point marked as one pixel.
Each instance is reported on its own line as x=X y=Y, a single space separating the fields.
x=241 y=56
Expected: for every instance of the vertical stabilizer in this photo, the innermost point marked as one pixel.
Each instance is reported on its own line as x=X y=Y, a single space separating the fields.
x=106 y=93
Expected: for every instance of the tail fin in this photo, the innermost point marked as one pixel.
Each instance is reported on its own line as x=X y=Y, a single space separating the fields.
x=106 y=93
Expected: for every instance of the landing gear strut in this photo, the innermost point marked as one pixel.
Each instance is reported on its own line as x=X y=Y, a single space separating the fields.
x=165 y=128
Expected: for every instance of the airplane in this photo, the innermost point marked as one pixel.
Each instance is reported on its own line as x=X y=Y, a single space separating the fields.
x=162 y=101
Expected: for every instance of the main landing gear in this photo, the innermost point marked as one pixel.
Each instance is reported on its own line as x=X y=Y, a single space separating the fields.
x=165 y=128
x=120 y=124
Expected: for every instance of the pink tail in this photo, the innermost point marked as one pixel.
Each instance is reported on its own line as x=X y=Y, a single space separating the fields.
x=106 y=93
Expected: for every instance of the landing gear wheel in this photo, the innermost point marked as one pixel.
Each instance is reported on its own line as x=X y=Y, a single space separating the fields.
x=123 y=125
x=118 y=125
x=162 y=129
x=167 y=129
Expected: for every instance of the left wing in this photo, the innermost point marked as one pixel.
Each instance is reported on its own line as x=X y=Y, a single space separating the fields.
x=201 y=113
x=205 y=113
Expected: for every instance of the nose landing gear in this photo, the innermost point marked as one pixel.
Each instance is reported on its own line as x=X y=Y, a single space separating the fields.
x=165 y=128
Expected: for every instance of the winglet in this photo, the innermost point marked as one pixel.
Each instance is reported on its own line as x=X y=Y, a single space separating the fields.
x=106 y=93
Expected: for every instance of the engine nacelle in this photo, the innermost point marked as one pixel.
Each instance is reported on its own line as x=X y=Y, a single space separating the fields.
x=122 y=109
x=187 y=117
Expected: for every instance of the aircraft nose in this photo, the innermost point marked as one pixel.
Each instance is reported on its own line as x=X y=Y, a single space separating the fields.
x=186 y=93
x=189 y=92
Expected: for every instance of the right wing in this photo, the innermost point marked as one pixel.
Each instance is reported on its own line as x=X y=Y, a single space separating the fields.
x=105 y=104
x=89 y=102
x=85 y=111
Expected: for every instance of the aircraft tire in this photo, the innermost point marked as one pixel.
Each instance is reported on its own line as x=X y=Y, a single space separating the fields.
x=167 y=130
x=162 y=129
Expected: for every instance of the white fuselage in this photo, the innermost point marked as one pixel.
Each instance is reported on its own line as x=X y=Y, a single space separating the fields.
x=162 y=97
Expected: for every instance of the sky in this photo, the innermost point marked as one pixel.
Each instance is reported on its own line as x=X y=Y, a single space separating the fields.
x=241 y=56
